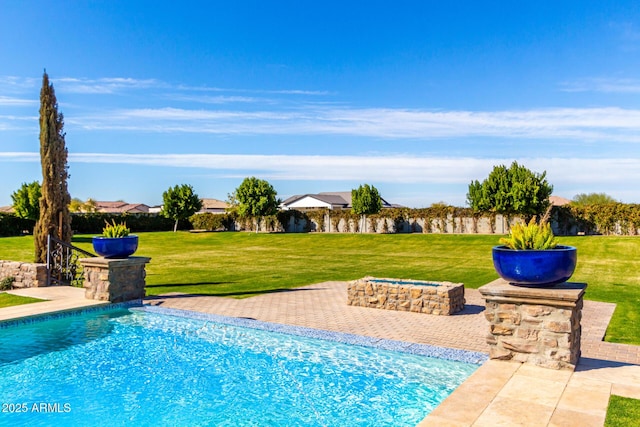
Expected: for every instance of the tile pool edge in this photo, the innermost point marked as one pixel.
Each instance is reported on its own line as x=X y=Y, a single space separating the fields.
x=57 y=314
x=457 y=355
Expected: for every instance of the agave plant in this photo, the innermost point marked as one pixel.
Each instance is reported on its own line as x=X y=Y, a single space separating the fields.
x=115 y=230
x=530 y=236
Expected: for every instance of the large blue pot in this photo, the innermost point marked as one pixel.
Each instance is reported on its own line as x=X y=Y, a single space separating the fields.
x=535 y=267
x=115 y=247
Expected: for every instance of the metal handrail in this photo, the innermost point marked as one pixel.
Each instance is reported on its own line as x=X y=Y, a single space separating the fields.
x=63 y=267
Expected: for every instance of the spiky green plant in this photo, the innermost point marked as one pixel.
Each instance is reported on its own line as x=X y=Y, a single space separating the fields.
x=530 y=236
x=115 y=230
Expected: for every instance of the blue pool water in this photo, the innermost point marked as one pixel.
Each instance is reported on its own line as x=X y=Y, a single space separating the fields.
x=403 y=282
x=137 y=366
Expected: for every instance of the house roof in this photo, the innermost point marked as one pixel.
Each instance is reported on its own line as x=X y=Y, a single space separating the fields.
x=558 y=201
x=6 y=209
x=335 y=199
x=208 y=204
x=121 y=207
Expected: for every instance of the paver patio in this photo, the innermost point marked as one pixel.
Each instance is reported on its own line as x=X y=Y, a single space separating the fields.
x=323 y=306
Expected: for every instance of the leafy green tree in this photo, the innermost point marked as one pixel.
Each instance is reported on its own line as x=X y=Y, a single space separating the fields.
x=513 y=190
x=26 y=201
x=78 y=205
x=180 y=202
x=54 y=218
x=255 y=198
x=365 y=200
x=593 y=199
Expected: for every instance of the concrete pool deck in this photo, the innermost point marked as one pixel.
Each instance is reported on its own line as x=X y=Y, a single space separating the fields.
x=498 y=393
x=58 y=298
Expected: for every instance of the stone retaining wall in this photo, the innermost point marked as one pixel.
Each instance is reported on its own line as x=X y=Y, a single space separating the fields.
x=26 y=274
x=441 y=298
x=539 y=326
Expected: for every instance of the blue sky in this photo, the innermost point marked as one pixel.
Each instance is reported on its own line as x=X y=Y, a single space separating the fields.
x=415 y=97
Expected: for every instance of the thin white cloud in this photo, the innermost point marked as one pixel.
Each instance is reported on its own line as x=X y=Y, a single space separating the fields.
x=107 y=85
x=604 y=85
x=628 y=33
x=409 y=169
x=18 y=84
x=221 y=99
x=19 y=156
x=16 y=102
x=590 y=124
x=244 y=117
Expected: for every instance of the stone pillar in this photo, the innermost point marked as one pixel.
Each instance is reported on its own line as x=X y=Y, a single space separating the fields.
x=114 y=280
x=539 y=326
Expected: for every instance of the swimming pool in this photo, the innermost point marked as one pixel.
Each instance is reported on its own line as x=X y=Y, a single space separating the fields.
x=152 y=366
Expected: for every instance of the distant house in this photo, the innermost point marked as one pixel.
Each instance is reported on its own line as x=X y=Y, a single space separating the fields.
x=121 y=207
x=6 y=209
x=558 y=201
x=328 y=200
x=213 y=206
x=208 y=206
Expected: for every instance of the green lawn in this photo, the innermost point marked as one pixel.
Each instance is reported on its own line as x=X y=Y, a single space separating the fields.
x=7 y=300
x=246 y=264
x=622 y=412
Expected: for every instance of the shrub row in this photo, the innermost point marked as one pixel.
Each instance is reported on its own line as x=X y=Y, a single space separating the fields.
x=11 y=225
x=610 y=218
x=93 y=223
x=613 y=218
x=213 y=222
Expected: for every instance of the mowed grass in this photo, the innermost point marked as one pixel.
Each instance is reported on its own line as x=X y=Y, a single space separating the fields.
x=8 y=300
x=246 y=264
x=622 y=412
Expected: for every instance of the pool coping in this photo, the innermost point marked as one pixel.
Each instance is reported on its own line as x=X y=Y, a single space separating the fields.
x=465 y=356
x=62 y=313
x=417 y=349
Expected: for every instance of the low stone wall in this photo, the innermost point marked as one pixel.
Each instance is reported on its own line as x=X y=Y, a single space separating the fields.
x=539 y=326
x=418 y=296
x=26 y=274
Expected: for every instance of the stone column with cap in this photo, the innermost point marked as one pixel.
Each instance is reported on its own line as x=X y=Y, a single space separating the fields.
x=539 y=326
x=114 y=280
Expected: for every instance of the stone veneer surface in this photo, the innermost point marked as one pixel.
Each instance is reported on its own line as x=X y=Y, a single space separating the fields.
x=114 y=280
x=539 y=326
x=26 y=274
x=418 y=296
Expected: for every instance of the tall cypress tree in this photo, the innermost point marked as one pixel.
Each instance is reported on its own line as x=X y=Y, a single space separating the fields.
x=54 y=204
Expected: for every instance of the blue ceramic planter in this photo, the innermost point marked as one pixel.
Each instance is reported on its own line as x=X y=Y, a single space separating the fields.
x=535 y=267
x=115 y=247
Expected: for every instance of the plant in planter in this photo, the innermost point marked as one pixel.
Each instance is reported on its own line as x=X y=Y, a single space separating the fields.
x=531 y=256
x=115 y=242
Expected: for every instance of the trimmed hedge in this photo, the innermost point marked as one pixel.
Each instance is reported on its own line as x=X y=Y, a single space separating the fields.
x=612 y=218
x=93 y=223
x=609 y=218
x=11 y=225
x=212 y=222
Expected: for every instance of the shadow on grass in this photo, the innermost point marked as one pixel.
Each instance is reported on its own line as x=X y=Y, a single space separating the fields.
x=82 y=240
x=237 y=294
x=173 y=285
